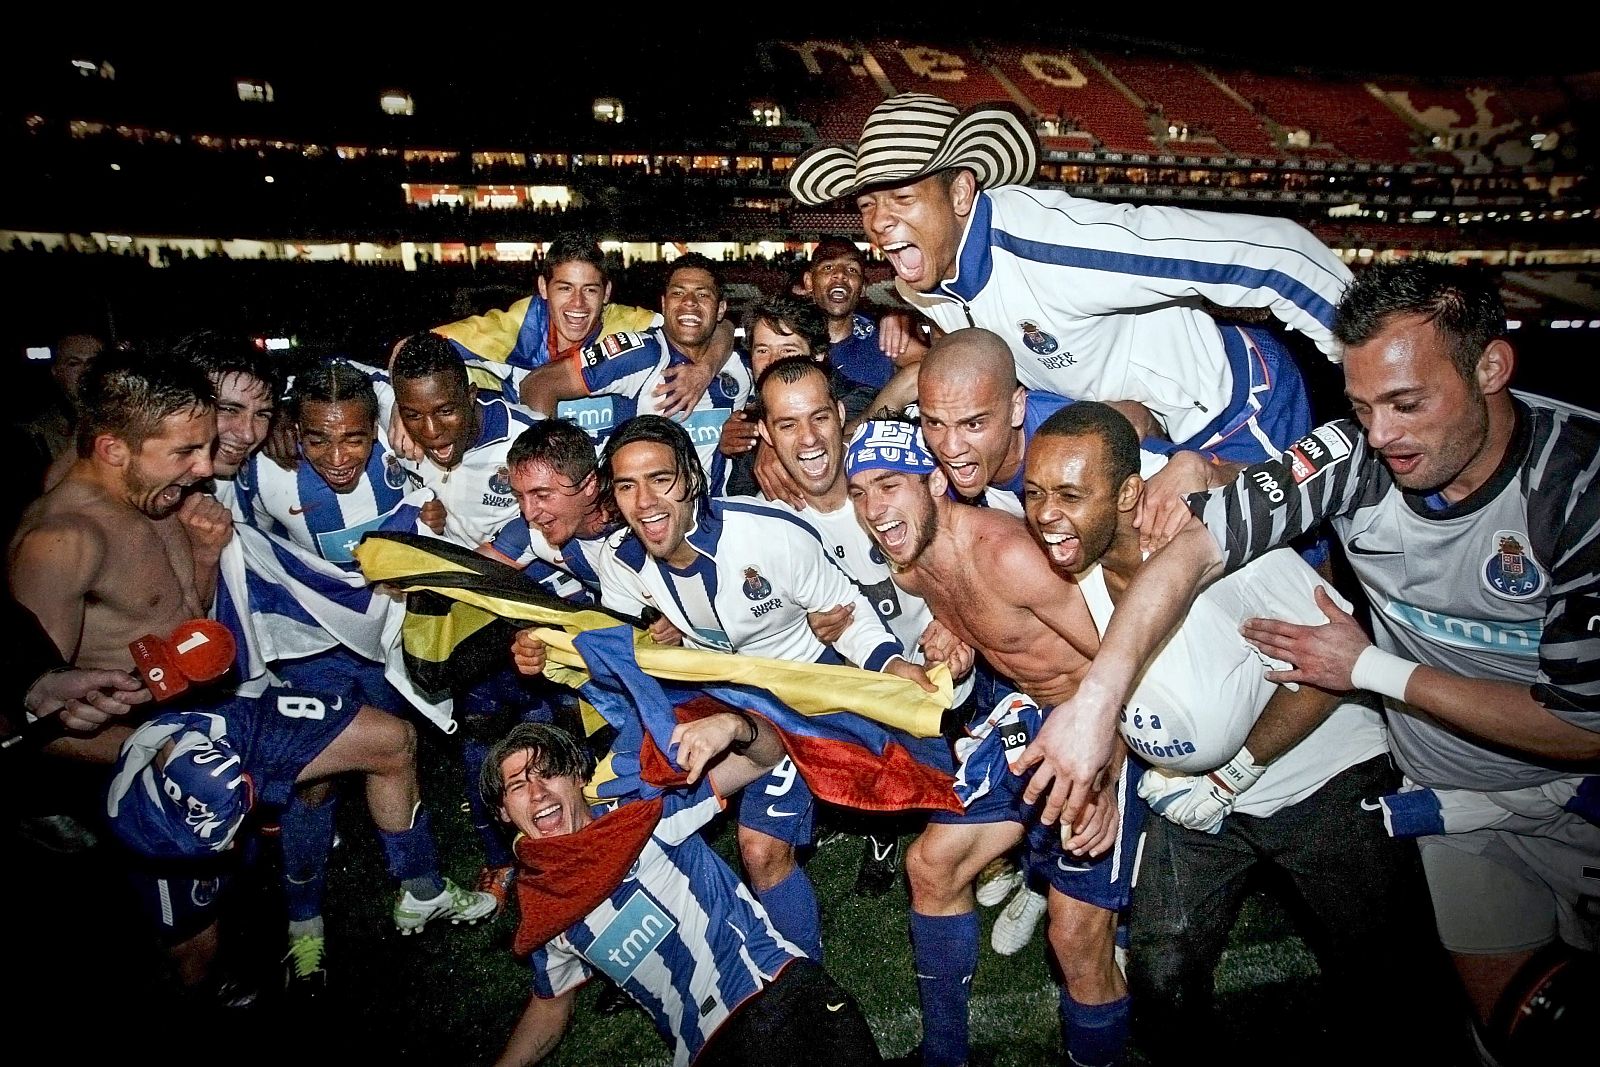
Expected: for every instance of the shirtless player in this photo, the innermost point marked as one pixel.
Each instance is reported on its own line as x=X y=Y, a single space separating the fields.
x=122 y=547
x=1035 y=631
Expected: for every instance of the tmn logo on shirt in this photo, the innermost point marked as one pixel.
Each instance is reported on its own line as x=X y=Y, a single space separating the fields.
x=636 y=931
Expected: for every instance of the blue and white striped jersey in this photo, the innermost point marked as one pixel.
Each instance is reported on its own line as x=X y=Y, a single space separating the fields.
x=569 y=572
x=476 y=492
x=300 y=506
x=682 y=935
x=621 y=372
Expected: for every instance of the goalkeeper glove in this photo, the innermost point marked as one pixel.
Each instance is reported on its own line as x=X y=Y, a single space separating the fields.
x=1200 y=802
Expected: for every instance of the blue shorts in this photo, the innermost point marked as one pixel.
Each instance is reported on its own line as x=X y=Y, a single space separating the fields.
x=780 y=804
x=1107 y=881
x=181 y=898
x=988 y=789
x=280 y=732
x=1269 y=400
x=338 y=670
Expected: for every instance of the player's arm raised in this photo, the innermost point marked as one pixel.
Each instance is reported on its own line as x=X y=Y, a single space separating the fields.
x=208 y=524
x=732 y=748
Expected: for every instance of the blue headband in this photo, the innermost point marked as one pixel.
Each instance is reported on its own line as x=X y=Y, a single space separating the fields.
x=887 y=445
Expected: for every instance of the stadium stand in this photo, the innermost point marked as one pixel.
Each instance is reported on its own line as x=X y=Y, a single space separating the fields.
x=1343 y=115
x=948 y=70
x=1072 y=87
x=839 y=94
x=1183 y=95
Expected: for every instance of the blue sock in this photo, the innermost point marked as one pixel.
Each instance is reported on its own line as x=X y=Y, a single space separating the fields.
x=1095 y=1035
x=307 y=838
x=792 y=906
x=496 y=849
x=412 y=856
x=945 y=948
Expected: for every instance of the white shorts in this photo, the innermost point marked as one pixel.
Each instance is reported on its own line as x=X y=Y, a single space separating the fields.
x=1499 y=893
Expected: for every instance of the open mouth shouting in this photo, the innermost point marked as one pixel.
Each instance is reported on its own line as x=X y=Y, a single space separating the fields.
x=1063 y=549
x=442 y=454
x=907 y=260
x=814 y=464
x=548 y=821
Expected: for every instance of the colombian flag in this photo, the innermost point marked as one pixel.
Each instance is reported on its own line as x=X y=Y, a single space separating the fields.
x=861 y=739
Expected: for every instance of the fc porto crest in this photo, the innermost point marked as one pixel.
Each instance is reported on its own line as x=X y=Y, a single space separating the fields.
x=1510 y=571
x=500 y=480
x=727 y=384
x=755 y=586
x=203 y=891
x=394 y=475
x=1036 y=339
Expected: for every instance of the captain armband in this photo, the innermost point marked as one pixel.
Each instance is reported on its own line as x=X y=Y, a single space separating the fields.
x=1382 y=672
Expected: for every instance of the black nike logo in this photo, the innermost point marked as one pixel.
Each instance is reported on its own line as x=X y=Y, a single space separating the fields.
x=1360 y=551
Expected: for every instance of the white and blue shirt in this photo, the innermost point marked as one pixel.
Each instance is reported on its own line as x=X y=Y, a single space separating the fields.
x=570 y=572
x=682 y=935
x=621 y=372
x=300 y=506
x=476 y=492
x=1102 y=301
x=757 y=572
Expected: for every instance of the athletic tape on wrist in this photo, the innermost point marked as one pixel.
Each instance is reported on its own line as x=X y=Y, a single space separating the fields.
x=1382 y=672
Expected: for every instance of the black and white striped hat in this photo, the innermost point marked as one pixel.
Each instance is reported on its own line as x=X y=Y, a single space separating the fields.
x=913 y=135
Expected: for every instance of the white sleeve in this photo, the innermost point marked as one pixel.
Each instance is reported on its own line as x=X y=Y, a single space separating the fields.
x=1234 y=261
x=620 y=588
x=818 y=584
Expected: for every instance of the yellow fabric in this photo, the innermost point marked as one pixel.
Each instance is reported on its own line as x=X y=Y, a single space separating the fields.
x=493 y=335
x=809 y=688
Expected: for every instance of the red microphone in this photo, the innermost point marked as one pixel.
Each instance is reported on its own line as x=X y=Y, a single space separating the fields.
x=196 y=652
x=199 y=651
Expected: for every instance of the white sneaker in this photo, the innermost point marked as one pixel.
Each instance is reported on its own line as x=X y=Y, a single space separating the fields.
x=460 y=905
x=1014 y=927
x=997 y=880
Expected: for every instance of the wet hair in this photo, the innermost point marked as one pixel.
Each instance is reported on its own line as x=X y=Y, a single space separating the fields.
x=790 y=314
x=423 y=355
x=1462 y=303
x=129 y=395
x=835 y=247
x=221 y=354
x=555 y=753
x=693 y=261
x=560 y=444
x=574 y=246
x=659 y=430
x=792 y=369
x=332 y=381
x=1088 y=418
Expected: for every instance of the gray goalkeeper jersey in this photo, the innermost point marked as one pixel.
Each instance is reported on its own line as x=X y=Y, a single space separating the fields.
x=1503 y=585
